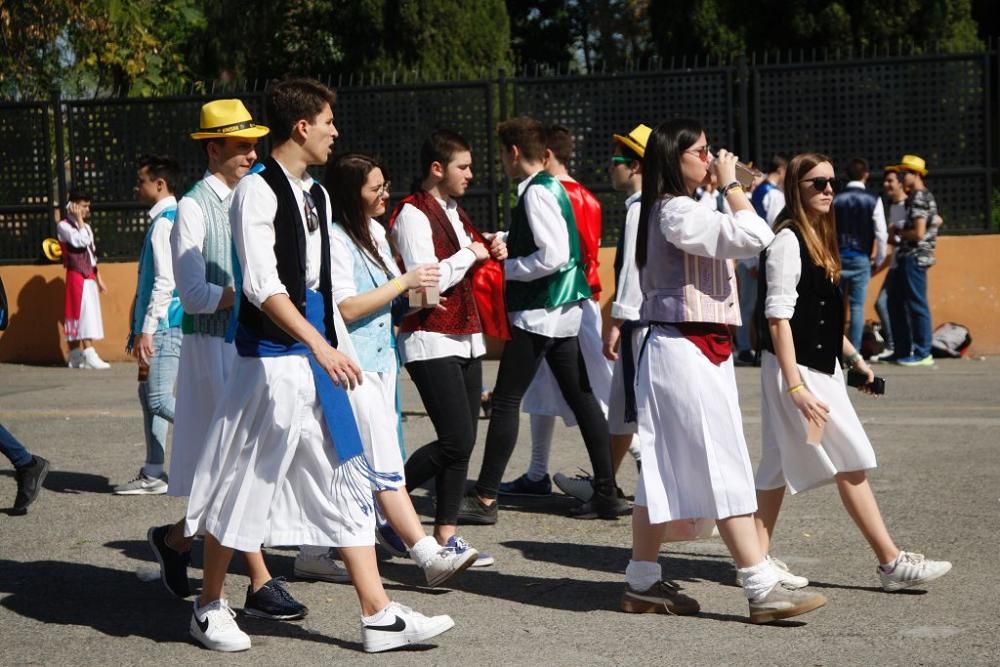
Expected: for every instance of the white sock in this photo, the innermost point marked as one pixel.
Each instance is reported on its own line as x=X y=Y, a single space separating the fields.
x=424 y=551
x=542 y=429
x=152 y=471
x=376 y=617
x=633 y=449
x=891 y=565
x=641 y=575
x=759 y=579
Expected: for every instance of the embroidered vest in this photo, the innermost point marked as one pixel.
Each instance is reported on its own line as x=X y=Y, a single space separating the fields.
x=218 y=253
x=78 y=259
x=818 y=321
x=566 y=285
x=290 y=252
x=461 y=316
x=371 y=335
x=147 y=275
x=587 y=211
x=854 y=208
x=680 y=287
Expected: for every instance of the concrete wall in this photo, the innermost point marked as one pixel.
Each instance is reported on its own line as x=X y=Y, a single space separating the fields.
x=964 y=287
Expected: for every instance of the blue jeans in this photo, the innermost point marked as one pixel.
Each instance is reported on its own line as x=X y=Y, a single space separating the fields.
x=908 y=308
x=156 y=394
x=13 y=450
x=855 y=273
x=882 y=308
x=748 y=300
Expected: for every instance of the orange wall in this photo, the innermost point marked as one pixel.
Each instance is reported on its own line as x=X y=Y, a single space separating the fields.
x=964 y=288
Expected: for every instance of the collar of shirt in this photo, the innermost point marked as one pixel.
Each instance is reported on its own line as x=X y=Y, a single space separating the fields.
x=856 y=184
x=162 y=205
x=218 y=186
x=305 y=184
x=633 y=198
x=523 y=185
x=447 y=204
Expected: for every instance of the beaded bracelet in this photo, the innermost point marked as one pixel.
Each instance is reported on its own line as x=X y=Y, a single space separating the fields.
x=798 y=387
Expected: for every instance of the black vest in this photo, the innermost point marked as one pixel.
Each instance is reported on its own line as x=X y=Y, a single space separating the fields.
x=855 y=229
x=818 y=322
x=290 y=251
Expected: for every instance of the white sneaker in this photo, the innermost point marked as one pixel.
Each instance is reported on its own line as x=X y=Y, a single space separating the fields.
x=92 y=361
x=785 y=576
x=214 y=626
x=447 y=563
x=580 y=487
x=143 y=485
x=883 y=355
x=75 y=358
x=322 y=565
x=912 y=569
x=401 y=626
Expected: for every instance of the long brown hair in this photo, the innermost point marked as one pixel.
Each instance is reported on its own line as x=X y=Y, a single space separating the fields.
x=344 y=181
x=818 y=230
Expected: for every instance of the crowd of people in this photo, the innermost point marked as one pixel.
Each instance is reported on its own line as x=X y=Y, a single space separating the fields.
x=268 y=304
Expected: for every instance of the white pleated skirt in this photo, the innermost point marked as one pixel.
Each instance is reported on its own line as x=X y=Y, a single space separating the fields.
x=268 y=474
x=694 y=455
x=544 y=397
x=786 y=459
x=374 y=405
x=204 y=368
x=91 y=325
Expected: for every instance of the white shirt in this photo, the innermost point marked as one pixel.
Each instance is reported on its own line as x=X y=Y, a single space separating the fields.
x=252 y=219
x=878 y=220
x=342 y=267
x=187 y=238
x=412 y=235
x=552 y=238
x=784 y=267
x=774 y=203
x=77 y=238
x=163 y=269
x=628 y=298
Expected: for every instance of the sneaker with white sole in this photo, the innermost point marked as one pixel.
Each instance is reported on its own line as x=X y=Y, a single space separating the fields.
x=580 y=487
x=143 y=485
x=663 y=597
x=912 y=569
x=322 y=566
x=460 y=546
x=75 y=358
x=401 y=626
x=214 y=626
x=783 y=602
x=92 y=361
x=785 y=576
x=449 y=562
x=391 y=541
x=274 y=602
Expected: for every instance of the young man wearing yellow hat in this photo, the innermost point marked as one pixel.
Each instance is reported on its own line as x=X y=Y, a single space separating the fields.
x=909 y=309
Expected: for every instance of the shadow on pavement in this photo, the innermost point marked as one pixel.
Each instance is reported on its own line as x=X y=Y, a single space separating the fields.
x=66 y=481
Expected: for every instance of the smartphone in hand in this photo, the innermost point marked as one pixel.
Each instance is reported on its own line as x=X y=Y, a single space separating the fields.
x=858 y=379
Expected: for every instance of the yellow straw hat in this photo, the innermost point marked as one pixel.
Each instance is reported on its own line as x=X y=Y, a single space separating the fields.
x=913 y=163
x=635 y=140
x=227 y=118
x=52 y=250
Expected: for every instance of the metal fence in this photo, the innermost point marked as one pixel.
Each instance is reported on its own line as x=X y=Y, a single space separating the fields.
x=940 y=107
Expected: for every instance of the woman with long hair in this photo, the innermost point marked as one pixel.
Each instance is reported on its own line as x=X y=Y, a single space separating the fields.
x=811 y=433
x=694 y=457
x=366 y=282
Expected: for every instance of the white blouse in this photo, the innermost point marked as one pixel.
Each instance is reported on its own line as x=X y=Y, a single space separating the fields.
x=784 y=267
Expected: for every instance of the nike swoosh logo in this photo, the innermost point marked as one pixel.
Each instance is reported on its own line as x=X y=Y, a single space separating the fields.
x=202 y=624
x=398 y=626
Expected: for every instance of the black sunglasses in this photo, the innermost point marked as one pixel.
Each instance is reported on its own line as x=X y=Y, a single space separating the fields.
x=820 y=183
x=309 y=212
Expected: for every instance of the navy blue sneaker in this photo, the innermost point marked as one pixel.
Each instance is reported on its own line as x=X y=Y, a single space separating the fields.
x=460 y=546
x=173 y=564
x=390 y=541
x=522 y=486
x=274 y=601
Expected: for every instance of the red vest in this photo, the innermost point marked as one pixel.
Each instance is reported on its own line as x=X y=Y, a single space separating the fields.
x=587 y=210
x=461 y=316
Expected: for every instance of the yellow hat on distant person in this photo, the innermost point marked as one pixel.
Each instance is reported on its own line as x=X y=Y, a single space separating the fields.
x=635 y=140
x=913 y=163
x=52 y=250
x=227 y=118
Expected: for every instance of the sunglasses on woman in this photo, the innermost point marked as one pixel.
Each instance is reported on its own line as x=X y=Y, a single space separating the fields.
x=819 y=183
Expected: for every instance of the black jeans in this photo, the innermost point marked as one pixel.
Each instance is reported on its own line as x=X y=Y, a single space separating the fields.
x=521 y=358
x=450 y=389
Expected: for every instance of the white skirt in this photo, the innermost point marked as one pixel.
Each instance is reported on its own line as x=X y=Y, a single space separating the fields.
x=616 y=401
x=544 y=396
x=269 y=474
x=205 y=364
x=786 y=459
x=374 y=405
x=694 y=455
x=91 y=322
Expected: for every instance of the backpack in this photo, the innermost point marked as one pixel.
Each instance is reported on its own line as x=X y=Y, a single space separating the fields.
x=950 y=341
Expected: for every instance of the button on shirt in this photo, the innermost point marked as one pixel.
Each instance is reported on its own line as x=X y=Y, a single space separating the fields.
x=552 y=238
x=163 y=269
x=252 y=218
x=187 y=238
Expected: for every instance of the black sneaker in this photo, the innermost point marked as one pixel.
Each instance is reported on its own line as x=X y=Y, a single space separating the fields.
x=173 y=563
x=274 y=601
x=472 y=511
x=602 y=506
x=29 y=483
x=745 y=358
x=522 y=486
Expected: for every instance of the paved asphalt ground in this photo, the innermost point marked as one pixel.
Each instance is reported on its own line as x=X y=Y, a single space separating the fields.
x=71 y=591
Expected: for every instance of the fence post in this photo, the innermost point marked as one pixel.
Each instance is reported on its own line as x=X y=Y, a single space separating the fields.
x=502 y=87
x=60 y=137
x=988 y=132
x=491 y=123
x=743 y=77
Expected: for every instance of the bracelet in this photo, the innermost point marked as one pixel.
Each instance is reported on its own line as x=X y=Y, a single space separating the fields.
x=853 y=360
x=798 y=387
x=731 y=186
x=397 y=283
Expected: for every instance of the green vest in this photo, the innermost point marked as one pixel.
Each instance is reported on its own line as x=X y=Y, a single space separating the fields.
x=217 y=249
x=569 y=283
